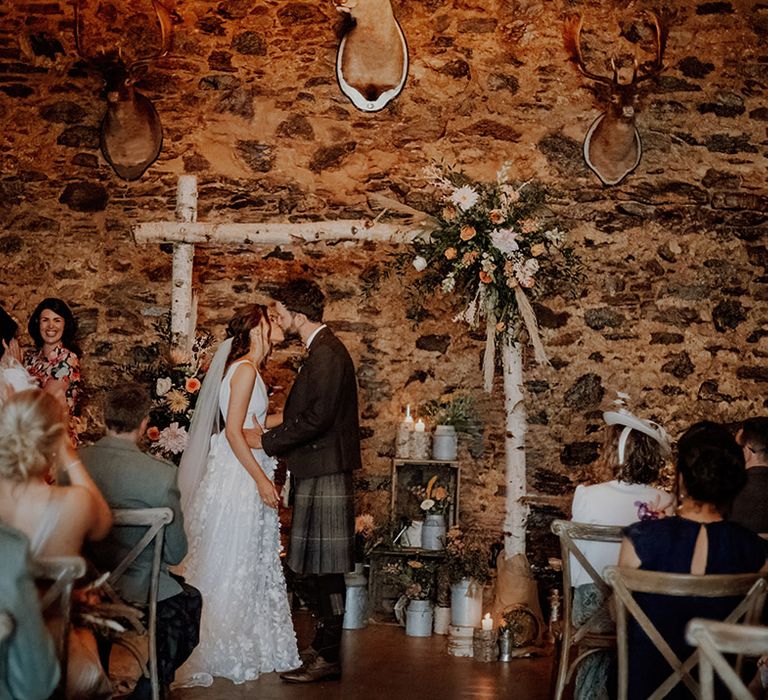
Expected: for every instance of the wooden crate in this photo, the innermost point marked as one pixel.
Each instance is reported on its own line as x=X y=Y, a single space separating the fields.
x=407 y=473
x=383 y=595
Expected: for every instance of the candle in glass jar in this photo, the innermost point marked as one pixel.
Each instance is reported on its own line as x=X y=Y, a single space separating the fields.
x=420 y=427
x=487 y=623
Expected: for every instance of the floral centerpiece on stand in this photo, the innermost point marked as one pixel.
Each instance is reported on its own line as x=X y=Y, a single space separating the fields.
x=174 y=382
x=459 y=411
x=434 y=499
x=495 y=246
x=468 y=556
x=414 y=578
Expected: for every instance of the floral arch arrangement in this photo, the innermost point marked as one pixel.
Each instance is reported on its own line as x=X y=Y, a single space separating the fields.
x=495 y=246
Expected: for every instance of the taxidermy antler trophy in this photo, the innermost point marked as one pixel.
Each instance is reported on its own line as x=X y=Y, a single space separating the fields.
x=372 y=59
x=612 y=146
x=131 y=132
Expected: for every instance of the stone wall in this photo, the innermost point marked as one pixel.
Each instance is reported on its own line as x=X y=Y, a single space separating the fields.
x=671 y=309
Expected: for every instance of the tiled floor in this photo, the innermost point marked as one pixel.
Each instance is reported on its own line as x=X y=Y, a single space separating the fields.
x=382 y=663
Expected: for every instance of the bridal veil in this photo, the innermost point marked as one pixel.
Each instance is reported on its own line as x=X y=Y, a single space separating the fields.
x=205 y=422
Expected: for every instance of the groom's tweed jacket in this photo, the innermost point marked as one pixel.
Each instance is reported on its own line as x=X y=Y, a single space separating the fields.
x=320 y=433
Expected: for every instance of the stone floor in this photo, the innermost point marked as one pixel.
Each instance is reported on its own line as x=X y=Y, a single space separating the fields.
x=382 y=663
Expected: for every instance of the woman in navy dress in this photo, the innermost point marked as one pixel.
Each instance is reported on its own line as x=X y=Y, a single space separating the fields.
x=710 y=470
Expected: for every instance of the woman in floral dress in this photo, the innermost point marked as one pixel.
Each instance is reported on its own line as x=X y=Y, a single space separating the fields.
x=55 y=363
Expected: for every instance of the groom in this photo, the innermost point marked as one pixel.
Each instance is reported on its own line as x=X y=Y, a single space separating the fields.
x=319 y=439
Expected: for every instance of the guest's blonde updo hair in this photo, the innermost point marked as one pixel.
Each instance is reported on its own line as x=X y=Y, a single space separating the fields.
x=31 y=431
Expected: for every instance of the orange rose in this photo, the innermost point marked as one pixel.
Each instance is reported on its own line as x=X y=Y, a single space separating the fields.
x=485 y=278
x=450 y=253
x=500 y=326
x=470 y=257
x=153 y=433
x=440 y=493
x=538 y=249
x=529 y=226
x=467 y=233
x=192 y=384
x=449 y=213
x=496 y=216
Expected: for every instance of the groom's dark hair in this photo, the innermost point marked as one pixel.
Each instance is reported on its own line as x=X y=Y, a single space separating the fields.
x=302 y=296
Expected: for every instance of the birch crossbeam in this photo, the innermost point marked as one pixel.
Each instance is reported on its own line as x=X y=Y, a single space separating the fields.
x=271 y=234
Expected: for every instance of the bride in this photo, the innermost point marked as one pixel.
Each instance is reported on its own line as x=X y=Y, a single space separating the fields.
x=230 y=509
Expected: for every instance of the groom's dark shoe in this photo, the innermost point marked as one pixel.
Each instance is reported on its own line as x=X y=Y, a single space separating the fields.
x=316 y=670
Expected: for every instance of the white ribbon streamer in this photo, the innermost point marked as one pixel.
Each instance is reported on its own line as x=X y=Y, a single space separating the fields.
x=532 y=326
x=489 y=357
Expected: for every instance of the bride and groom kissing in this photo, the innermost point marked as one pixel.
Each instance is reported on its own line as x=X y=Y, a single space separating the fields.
x=230 y=501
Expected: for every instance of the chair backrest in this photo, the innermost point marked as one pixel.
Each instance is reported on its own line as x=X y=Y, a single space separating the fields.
x=715 y=638
x=591 y=635
x=61 y=573
x=626 y=582
x=571 y=534
x=155 y=520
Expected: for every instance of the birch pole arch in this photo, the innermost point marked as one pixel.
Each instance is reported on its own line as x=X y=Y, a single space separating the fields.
x=185 y=232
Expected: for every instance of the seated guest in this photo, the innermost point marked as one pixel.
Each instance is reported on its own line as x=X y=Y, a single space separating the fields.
x=750 y=507
x=130 y=478
x=55 y=362
x=710 y=471
x=29 y=669
x=635 y=451
x=56 y=519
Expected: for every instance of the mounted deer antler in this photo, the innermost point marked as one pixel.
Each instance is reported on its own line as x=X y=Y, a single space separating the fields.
x=612 y=146
x=372 y=59
x=131 y=132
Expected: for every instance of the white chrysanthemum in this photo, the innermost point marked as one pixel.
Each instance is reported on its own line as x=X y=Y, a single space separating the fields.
x=448 y=284
x=419 y=263
x=427 y=503
x=555 y=236
x=173 y=439
x=465 y=197
x=163 y=386
x=505 y=241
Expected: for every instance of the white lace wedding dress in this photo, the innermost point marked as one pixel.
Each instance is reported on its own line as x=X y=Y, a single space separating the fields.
x=234 y=560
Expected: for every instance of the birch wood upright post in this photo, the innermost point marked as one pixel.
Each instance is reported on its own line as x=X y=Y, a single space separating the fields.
x=516 y=426
x=183 y=259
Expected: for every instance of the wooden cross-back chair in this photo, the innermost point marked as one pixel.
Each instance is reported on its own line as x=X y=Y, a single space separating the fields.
x=713 y=639
x=626 y=582
x=155 y=520
x=583 y=638
x=59 y=575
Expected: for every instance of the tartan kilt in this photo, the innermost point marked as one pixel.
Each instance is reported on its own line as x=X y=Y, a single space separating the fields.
x=323 y=527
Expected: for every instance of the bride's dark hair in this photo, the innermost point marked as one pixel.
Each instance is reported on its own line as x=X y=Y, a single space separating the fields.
x=239 y=329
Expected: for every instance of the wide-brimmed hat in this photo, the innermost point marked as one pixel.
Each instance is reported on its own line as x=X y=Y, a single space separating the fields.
x=631 y=422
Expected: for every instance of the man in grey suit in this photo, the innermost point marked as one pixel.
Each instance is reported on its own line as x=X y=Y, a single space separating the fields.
x=319 y=439
x=129 y=478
